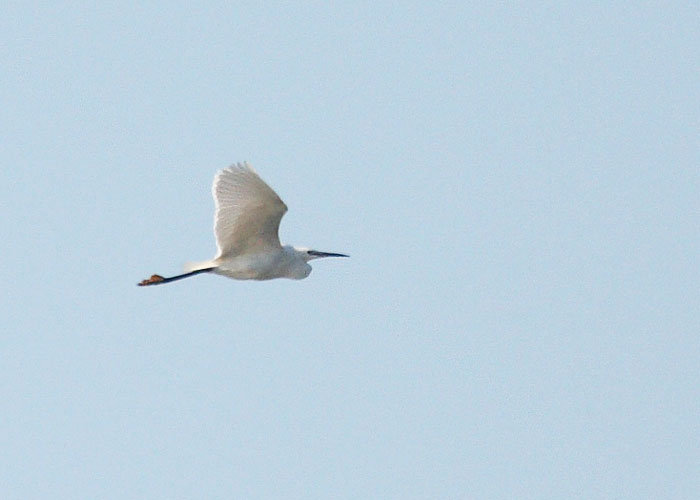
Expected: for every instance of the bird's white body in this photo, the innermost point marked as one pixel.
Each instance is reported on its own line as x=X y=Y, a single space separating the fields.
x=246 y=224
x=285 y=263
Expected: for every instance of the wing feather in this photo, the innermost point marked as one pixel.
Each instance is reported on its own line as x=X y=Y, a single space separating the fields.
x=247 y=214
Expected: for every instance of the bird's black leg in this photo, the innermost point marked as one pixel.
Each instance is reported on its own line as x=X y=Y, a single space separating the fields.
x=156 y=279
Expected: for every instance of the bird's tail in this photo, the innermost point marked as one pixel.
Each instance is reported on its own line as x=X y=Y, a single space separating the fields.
x=196 y=266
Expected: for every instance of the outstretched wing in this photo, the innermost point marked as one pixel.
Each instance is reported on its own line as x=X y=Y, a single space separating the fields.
x=248 y=212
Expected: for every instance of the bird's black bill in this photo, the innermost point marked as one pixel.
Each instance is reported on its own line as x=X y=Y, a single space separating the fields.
x=316 y=253
x=159 y=280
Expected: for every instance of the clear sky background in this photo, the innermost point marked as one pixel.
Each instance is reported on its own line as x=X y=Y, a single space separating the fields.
x=517 y=185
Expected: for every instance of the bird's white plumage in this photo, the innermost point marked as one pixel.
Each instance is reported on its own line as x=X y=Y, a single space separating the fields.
x=247 y=214
x=246 y=223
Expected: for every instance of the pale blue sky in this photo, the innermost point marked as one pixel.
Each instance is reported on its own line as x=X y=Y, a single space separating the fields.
x=517 y=186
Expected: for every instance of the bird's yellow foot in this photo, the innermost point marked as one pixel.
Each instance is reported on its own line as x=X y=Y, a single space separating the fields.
x=153 y=280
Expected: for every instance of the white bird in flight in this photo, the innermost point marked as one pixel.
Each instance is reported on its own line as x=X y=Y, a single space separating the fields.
x=246 y=220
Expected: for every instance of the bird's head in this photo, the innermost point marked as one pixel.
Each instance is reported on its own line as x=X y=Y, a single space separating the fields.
x=307 y=254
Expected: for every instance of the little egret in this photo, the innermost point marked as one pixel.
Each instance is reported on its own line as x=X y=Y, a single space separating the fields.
x=246 y=220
